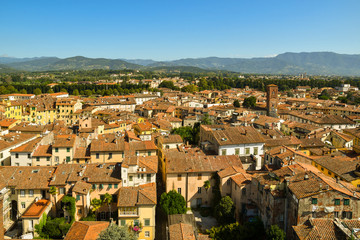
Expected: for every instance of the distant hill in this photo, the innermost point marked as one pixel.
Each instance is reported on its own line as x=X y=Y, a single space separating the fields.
x=73 y=63
x=6 y=69
x=177 y=69
x=6 y=60
x=315 y=63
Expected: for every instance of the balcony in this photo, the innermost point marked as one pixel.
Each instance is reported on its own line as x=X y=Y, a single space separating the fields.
x=127 y=213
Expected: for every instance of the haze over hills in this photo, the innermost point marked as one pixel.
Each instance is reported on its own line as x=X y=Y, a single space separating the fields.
x=315 y=63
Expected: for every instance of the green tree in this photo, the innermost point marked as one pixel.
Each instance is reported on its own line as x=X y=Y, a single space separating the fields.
x=108 y=200
x=224 y=211
x=95 y=204
x=275 y=233
x=114 y=232
x=76 y=92
x=88 y=93
x=50 y=91
x=23 y=91
x=63 y=90
x=206 y=119
x=289 y=94
x=324 y=95
x=207 y=185
x=53 y=192
x=190 y=88
x=37 y=91
x=249 y=102
x=173 y=203
x=236 y=103
x=236 y=231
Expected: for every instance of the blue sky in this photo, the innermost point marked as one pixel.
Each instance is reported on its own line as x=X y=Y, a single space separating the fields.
x=166 y=30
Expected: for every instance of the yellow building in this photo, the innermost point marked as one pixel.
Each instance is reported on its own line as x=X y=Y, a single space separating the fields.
x=66 y=109
x=355 y=133
x=12 y=109
x=40 y=111
x=340 y=167
x=136 y=209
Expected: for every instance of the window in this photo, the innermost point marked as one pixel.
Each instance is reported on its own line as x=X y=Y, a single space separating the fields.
x=110 y=155
x=199 y=176
x=148 y=177
x=346 y=201
x=228 y=182
x=56 y=149
x=314 y=201
x=147 y=233
x=336 y=214
x=255 y=151
x=199 y=189
x=347 y=214
x=23 y=205
x=67 y=149
x=31 y=193
x=29 y=155
x=247 y=151
x=223 y=152
x=94 y=186
x=62 y=190
x=97 y=155
x=77 y=197
x=101 y=186
x=116 y=185
x=237 y=151
x=48 y=159
x=147 y=221
x=122 y=222
x=149 y=153
x=179 y=190
x=22 y=193
x=38 y=159
x=79 y=211
x=67 y=159
x=179 y=177
x=16 y=155
x=337 y=201
x=136 y=222
x=130 y=178
x=13 y=191
x=56 y=159
x=110 y=186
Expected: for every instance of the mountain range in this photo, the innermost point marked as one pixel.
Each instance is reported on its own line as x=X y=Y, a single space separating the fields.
x=315 y=63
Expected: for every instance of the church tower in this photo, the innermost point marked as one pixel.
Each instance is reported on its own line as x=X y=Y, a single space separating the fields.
x=271 y=100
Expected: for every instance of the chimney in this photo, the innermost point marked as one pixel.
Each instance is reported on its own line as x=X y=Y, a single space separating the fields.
x=306 y=176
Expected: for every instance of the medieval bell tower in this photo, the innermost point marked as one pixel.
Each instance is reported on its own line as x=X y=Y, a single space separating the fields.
x=271 y=100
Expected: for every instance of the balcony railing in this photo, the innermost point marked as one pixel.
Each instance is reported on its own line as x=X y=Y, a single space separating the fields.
x=128 y=213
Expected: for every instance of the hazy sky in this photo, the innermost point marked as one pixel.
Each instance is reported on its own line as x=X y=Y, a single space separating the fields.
x=173 y=29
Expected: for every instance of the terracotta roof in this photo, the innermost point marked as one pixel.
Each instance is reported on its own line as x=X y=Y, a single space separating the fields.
x=43 y=151
x=181 y=231
x=82 y=152
x=27 y=177
x=181 y=162
x=27 y=147
x=64 y=140
x=141 y=195
x=173 y=138
x=7 y=122
x=319 y=228
x=36 y=209
x=12 y=139
x=231 y=171
x=86 y=230
x=82 y=187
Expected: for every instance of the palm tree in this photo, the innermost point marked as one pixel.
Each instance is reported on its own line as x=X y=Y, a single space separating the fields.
x=107 y=200
x=53 y=192
x=95 y=205
x=207 y=185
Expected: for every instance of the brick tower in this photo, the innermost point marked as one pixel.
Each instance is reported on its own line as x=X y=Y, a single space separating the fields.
x=271 y=100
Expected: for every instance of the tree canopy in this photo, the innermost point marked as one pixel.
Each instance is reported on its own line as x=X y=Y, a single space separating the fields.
x=224 y=211
x=275 y=233
x=114 y=232
x=249 y=102
x=173 y=203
